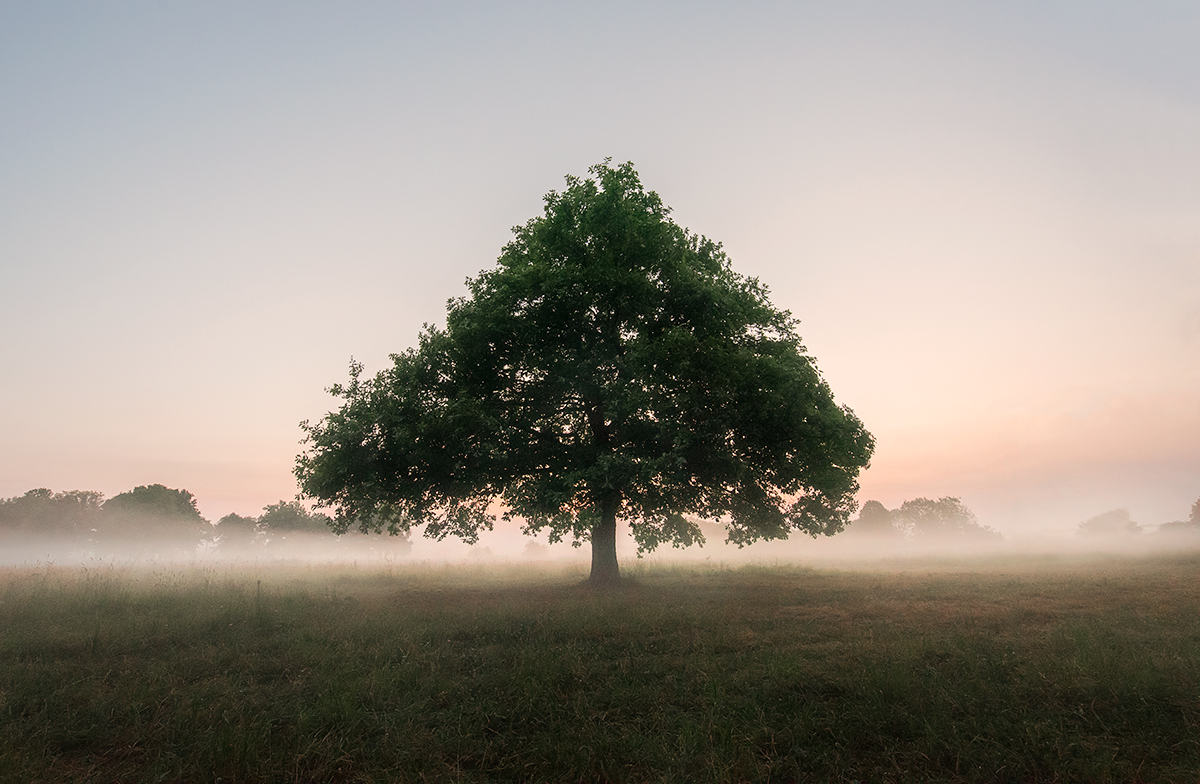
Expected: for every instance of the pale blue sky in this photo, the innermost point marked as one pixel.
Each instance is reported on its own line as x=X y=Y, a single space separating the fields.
x=986 y=216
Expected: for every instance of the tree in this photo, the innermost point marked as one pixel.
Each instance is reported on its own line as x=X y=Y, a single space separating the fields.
x=945 y=519
x=1115 y=522
x=874 y=519
x=291 y=517
x=42 y=512
x=1189 y=528
x=155 y=514
x=612 y=366
x=238 y=533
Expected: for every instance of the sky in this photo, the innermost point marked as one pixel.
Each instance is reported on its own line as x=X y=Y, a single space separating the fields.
x=986 y=217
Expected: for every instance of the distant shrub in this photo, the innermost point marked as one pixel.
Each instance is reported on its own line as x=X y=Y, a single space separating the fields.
x=1115 y=522
x=288 y=527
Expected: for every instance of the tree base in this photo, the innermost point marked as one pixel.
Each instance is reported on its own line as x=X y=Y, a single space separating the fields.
x=605 y=571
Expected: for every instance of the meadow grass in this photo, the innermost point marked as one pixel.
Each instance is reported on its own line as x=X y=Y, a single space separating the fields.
x=952 y=670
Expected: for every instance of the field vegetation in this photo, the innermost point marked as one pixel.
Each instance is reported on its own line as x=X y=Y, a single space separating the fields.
x=997 y=669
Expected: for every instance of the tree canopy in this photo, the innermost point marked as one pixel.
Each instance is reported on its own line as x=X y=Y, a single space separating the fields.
x=874 y=519
x=155 y=511
x=290 y=517
x=611 y=366
x=42 y=512
x=1115 y=522
x=946 y=519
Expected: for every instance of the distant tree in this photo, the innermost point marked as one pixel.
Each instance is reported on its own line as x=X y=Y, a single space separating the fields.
x=873 y=520
x=1178 y=529
x=287 y=517
x=946 y=519
x=1195 y=518
x=43 y=513
x=613 y=366
x=1115 y=522
x=238 y=533
x=152 y=516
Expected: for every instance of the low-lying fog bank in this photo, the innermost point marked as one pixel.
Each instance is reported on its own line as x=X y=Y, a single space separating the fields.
x=509 y=546
x=155 y=523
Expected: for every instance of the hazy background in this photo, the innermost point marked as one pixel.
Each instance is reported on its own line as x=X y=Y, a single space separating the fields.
x=986 y=216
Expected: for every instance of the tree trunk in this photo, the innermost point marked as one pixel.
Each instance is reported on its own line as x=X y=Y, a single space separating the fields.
x=604 y=533
x=605 y=571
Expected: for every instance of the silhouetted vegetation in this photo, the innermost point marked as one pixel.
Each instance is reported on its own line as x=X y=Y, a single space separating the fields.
x=289 y=528
x=238 y=534
x=613 y=365
x=873 y=520
x=68 y=517
x=151 y=517
x=946 y=520
x=158 y=521
x=154 y=521
x=285 y=517
x=1115 y=522
x=1183 y=530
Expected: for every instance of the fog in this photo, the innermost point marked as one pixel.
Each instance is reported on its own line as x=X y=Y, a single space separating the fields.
x=506 y=545
x=156 y=524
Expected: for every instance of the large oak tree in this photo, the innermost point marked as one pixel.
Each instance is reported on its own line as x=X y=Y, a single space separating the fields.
x=612 y=366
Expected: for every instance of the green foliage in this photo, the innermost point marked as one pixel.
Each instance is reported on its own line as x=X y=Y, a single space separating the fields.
x=290 y=517
x=288 y=528
x=156 y=501
x=874 y=520
x=155 y=513
x=234 y=523
x=148 y=516
x=612 y=365
x=41 y=512
x=236 y=532
x=947 y=518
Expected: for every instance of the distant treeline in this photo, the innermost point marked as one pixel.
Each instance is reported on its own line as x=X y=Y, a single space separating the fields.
x=1118 y=522
x=160 y=520
x=157 y=518
x=948 y=520
x=945 y=520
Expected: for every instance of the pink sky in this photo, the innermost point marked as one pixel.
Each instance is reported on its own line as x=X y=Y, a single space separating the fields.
x=987 y=221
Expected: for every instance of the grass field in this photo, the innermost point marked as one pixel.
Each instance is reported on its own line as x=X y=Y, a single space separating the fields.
x=1000 y=670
